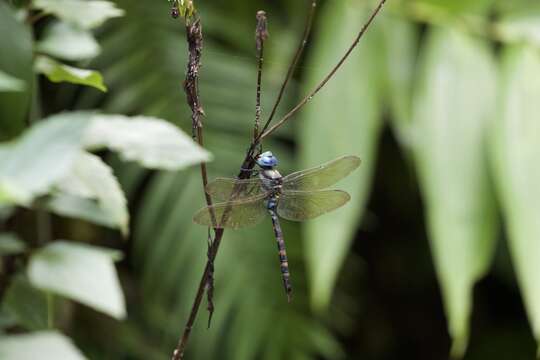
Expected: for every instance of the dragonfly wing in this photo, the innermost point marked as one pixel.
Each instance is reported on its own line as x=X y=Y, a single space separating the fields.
x=303 y=205
x=322 y=176
x=224 y=189
x=233 y=214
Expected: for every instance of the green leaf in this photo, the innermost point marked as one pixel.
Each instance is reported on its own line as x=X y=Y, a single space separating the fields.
x=400 y=42
x=80 y=208
x=86 y=14
x=450 y=120
x=343 y=120
x=43 y=344
x=152 y=142
x=57 y=72
x=515 y=150
x=10 y=83
x=91 y=178
x=26 y=303
x=80 y=272
x=14 y=105
x=30 y=165
x=10 y=244
x=67 y=41
x=523 y=26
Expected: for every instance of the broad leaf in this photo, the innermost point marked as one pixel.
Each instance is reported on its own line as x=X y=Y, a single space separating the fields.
x=15 y=60
x=516 y=139
x=152 y=142
x=450 y=120
x=400 y=42
x=27 y=304
x=30 y=165
x=10 y=244
x=91 y=178
x=57 y=72
x=67 y=41
x=86 y=14
x=79 y=272
x=39 y=345
x=343 y=120
x=80 y=208
x=9 y=83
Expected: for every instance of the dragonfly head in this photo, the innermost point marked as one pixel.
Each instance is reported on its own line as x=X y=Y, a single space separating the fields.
x=267 y=160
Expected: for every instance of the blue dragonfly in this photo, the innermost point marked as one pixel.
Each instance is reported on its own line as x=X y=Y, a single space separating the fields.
x=299 y=196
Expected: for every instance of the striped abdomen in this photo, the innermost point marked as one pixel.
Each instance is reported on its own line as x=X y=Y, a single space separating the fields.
x=284 y=263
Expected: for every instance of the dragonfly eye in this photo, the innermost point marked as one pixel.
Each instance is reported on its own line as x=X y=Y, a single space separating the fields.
x=267 y=159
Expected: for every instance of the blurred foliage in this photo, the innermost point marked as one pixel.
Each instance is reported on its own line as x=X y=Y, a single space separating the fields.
x=454 y=81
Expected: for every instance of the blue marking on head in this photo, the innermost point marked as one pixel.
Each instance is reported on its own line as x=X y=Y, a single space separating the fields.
x=267 y=160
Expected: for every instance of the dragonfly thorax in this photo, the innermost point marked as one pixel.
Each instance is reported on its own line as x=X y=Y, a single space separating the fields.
x=271 y=180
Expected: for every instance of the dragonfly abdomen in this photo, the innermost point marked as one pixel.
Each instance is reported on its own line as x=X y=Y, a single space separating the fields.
x=284 y=262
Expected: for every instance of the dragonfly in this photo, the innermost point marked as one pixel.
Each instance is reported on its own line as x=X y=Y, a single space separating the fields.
x=298 y=196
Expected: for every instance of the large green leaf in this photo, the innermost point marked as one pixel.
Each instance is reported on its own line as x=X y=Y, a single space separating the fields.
x=516 y=139
x=80 y=208
x=67 y=41
x=27 y=304
x=400 y=42
x=450 y=120
x=79 y=272
x=39 y=345
x=16 y=60
x=58 y=72
x=30 y=165
x=91 y=178
x=343 y=120
x=86 y=14
x=152 y=142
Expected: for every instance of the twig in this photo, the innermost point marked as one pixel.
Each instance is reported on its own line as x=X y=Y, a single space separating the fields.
x=191 y=86
x=292 y=66
x=327 y=77
x=248 y=164
x=178 y=352
x=261 y=34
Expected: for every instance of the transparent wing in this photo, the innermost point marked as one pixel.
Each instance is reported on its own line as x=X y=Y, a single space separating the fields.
x=303 y=205
x=233 y=214
x=322 y=176
x=221 y=189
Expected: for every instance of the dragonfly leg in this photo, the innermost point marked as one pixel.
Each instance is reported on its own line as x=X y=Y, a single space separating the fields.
x=284 y=263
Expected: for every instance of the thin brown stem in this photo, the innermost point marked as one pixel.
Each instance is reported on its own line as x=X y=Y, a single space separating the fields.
x=191 y=87
x=261 y=34
x=327 y=78
x=195 y=42
x=178 y=353
x=294 y=62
